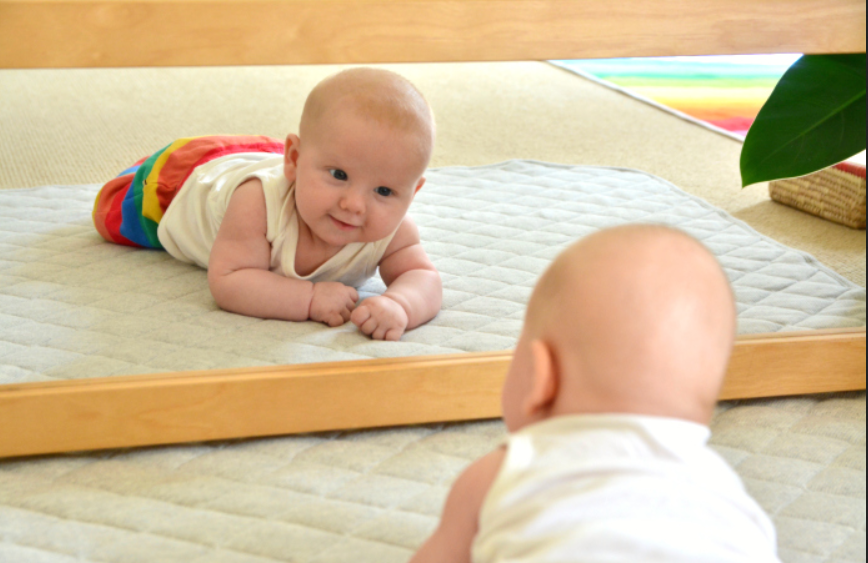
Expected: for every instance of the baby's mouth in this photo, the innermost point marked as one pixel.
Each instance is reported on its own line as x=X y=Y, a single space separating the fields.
x=342 y=225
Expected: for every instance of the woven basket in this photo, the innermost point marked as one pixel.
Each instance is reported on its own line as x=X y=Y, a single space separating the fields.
x=836 y=194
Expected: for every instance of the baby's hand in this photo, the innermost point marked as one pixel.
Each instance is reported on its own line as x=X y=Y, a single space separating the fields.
x=381 y=318
x=332 y=303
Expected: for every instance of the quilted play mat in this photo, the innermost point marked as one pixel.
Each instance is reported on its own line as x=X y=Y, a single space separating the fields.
x=72 y=306
x=724 y=93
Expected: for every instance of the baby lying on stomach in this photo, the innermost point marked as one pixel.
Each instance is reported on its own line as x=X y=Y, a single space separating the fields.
x=608 y=398
x=290 y=230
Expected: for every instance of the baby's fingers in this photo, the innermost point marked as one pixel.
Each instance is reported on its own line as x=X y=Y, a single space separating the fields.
x=381 y=332
x=386 y=332
x=360 y=315
x=394 y=334
x=349 y=306
x=347 y=312
x=369 y=327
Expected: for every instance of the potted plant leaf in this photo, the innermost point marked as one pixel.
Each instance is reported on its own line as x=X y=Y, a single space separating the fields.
x=813 y=120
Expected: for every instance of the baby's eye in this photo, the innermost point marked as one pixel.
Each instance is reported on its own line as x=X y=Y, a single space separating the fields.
x=338 y=174
x=384 y=191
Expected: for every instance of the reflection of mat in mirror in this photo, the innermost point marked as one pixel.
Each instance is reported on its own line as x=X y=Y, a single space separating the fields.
x=73 y=306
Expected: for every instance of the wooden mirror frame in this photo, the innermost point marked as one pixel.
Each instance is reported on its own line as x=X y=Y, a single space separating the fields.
x=167 y=408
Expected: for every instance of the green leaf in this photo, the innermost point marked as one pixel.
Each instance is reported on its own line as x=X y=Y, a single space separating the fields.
x=814 y=118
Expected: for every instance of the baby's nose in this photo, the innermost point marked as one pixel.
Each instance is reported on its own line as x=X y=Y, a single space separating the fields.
x=353 y=201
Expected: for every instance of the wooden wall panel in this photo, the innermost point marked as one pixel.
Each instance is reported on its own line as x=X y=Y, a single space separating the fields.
x=111 y=33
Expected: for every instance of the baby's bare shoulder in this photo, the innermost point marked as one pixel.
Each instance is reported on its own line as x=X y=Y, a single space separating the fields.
x=452 y=541
x=245 y=213
x=470 y=489
x=404 y=253
x=479 y=476
x=240 y=241
x=406 y=235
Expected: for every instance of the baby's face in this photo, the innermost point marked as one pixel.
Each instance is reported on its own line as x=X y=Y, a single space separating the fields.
x=355 y=178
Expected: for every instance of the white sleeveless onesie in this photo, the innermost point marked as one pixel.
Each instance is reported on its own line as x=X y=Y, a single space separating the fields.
x=189 y=226
x=619 y=489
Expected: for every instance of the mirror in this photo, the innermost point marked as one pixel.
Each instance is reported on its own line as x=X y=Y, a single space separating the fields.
x=86 y=308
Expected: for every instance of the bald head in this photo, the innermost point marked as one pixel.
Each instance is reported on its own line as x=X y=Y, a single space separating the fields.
x=382 y=96
x=642 y=320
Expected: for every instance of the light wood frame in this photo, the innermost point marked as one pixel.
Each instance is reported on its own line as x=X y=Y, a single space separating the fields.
x=180 y=407
x=108 y=33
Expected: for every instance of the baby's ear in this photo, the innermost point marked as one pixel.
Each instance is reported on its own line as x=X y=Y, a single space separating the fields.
x=290 y=157
x=419 y=185
x=544 y=387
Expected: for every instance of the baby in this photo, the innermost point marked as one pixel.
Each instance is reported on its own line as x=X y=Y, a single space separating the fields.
x=289 y=230
x=608 y=398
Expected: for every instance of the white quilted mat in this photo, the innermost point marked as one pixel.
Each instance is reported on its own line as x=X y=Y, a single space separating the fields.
x=73 y=306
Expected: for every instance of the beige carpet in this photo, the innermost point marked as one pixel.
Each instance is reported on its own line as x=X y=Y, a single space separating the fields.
x=84 y=126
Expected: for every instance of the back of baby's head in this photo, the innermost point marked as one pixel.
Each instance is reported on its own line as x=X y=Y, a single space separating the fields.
x=380 y=95
x=643 y=318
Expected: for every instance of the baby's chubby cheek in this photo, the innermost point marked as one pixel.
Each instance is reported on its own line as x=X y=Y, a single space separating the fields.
x=511 y=402
x=517 y=387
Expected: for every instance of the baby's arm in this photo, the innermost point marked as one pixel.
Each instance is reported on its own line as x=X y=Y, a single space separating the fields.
x=453 y=539
x=414 y=291
x=239 y=275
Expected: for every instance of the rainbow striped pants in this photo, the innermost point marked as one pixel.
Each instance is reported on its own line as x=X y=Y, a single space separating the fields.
x=128 y=209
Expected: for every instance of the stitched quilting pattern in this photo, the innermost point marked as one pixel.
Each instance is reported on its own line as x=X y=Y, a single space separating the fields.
x=73 y=305
x=374 y=496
